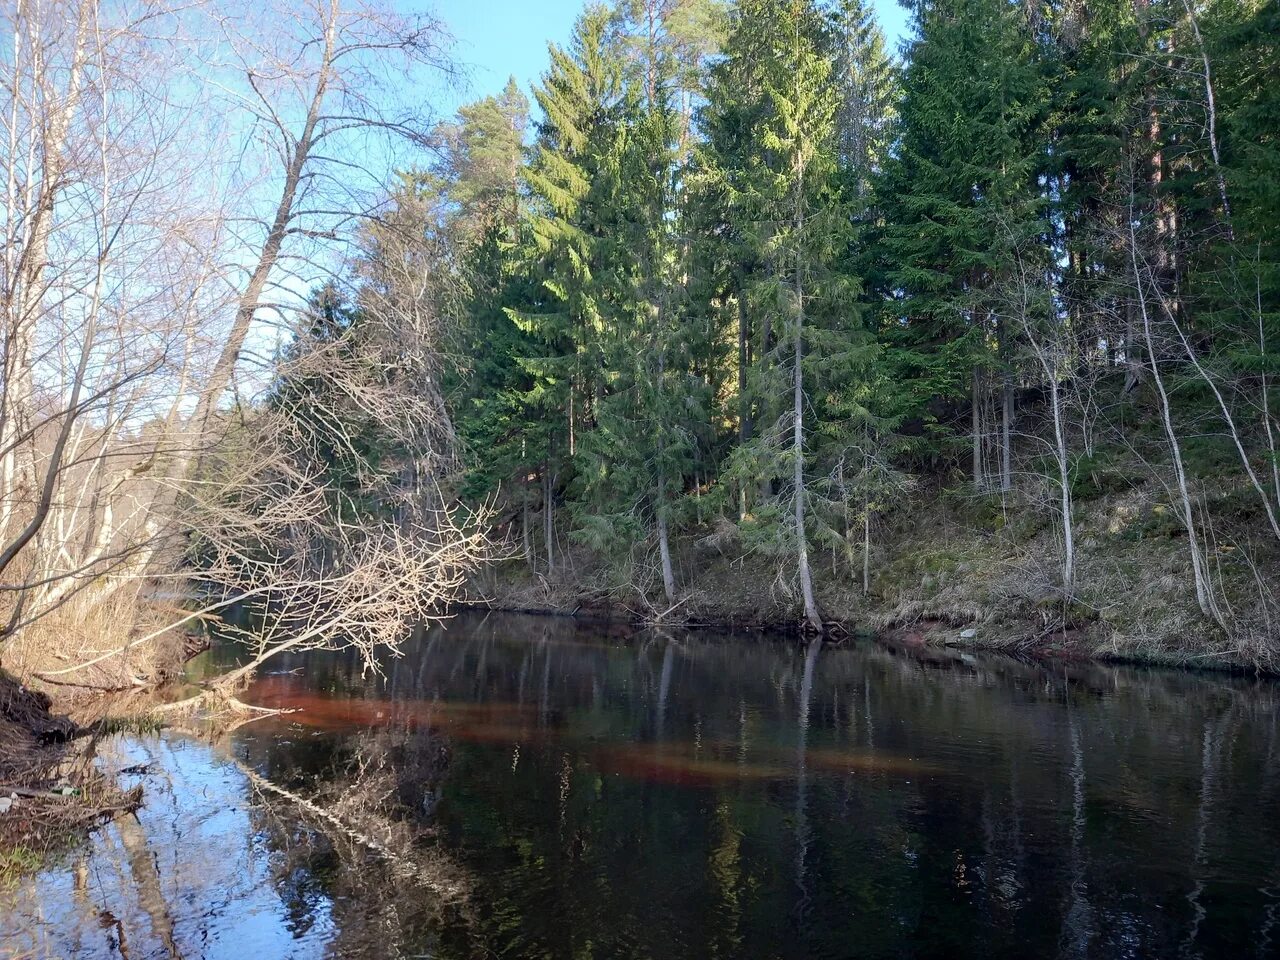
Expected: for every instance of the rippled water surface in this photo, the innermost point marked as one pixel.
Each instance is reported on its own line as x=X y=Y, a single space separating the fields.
x=529 y=787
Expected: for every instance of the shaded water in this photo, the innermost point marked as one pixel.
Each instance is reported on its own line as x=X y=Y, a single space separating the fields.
x=528 y=787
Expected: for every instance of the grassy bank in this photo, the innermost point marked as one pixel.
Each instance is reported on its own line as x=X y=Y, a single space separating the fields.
x=955 y=568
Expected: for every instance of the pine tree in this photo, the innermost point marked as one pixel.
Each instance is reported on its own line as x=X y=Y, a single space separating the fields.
x=481 y=161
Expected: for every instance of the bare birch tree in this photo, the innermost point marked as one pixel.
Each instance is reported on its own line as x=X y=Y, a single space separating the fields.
x=1027 y=306
x=173 y=174
x=1206 y=594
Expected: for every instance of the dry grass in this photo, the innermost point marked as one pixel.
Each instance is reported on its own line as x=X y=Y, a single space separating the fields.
x=36 y=758
x=87 y=646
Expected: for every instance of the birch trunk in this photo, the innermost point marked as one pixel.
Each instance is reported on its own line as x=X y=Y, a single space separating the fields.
x=1199 y=565
x=28 y=262
x=285 y=212
x=811 y=615
x=1064 y=488
x=979 y=482
x=1006 y=434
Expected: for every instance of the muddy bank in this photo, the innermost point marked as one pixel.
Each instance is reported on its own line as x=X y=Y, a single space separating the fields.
x=781 y=619
x=28 y=727
x=50 y=792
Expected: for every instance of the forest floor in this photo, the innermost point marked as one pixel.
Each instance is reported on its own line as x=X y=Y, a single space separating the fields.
x=966 y=570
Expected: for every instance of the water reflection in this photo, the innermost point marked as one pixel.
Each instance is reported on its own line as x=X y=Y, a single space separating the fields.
x=531 y=788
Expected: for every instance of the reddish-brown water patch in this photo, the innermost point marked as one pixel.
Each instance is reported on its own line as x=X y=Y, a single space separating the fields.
x=478 y=721
x=866 y=762
x=667 y=763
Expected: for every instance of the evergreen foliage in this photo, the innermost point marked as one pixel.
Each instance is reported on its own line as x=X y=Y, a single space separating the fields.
x=753 y=278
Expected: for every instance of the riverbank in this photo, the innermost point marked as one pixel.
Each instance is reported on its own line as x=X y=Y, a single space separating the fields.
x=954 y=569
x=51 y=794
x=950 y=570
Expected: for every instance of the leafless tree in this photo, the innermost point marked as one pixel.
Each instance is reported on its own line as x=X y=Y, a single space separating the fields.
x=1185 y=502
x=176 y=177
x=316 y=79
x=1025 y=304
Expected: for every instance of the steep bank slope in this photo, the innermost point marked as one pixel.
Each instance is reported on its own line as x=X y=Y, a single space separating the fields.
x=50 y=791
x=955 y=568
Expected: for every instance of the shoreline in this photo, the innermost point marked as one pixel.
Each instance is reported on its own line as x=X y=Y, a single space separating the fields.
x=919 y=636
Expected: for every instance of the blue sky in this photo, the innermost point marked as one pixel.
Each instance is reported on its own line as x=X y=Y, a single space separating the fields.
x=501 y=38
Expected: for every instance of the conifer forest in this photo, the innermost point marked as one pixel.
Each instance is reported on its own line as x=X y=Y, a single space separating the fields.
x=996 y=311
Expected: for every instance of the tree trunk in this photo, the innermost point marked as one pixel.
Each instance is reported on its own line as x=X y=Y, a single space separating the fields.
x=745 y=426
x=524 y=518
x=1199 y=564
x=1006 y=433
x=251 y=298
x=664 y=550
x=1230 y=421
x=547 y=518
x=866 y=547
x=1273 y=452
x=573 y=433
x=1134 y=367
x=1064 y=484
x=976 y=417
x=1211 y=106
x=1006 y=406
x=26 y=273
x=811 y=615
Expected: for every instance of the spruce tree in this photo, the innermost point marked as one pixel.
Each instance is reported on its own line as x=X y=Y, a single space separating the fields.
x=795 y=221
x=960 y=194
x=480 y=174
x=634 y=462
x=866 y=83
x=580 y=98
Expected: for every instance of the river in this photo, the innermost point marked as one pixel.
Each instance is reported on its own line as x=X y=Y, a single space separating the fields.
x=520 y=787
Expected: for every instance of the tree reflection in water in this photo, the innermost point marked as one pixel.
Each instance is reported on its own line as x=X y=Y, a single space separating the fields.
x=536 y=788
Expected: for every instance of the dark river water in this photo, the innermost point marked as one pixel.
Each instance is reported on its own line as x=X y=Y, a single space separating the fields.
x=535 y=787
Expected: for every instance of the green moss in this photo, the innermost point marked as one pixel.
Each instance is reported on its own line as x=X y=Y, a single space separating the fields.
x=1209 y=455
